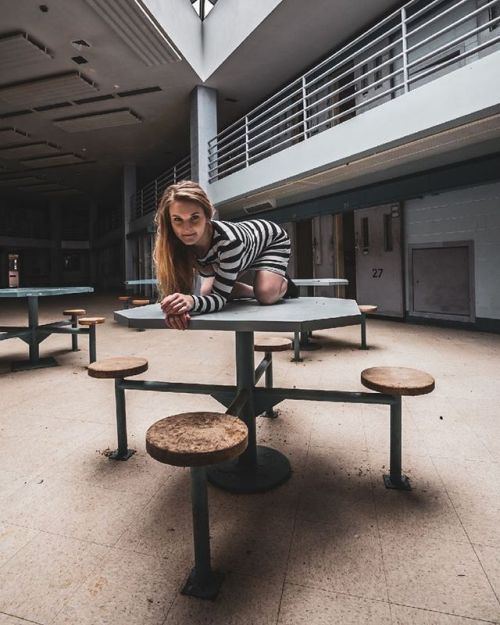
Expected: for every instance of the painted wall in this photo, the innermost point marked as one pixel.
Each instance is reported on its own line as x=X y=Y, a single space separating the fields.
x=467 y=214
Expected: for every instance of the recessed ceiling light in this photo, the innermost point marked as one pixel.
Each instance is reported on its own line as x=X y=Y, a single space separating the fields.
x=116 y=86
x=80 y=43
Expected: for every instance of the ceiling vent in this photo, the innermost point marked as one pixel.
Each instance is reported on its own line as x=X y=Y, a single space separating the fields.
x=96 y=121
x=138 y=30
x=267 y=205
x=12 y=136
x=19 y=49
x=49 y=89
x=29 y=150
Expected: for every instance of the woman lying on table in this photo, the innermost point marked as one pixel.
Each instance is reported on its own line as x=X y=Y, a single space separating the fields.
x=189 y=240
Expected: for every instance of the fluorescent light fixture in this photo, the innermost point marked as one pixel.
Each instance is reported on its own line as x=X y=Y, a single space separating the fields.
x=12 y=136
x=19 y=49
x=30 y=149
x=68 y=86
x=95 y=121
x=137 y=28
x=53 y=161
x=20 y=180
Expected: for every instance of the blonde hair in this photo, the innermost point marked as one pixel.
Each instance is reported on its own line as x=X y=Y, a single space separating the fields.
x=175 y=262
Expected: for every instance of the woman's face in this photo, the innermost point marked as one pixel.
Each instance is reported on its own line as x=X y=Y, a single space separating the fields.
x=189 y=222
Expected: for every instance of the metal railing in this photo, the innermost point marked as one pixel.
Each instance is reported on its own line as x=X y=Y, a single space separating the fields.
x=414 y=45
x=146 y=199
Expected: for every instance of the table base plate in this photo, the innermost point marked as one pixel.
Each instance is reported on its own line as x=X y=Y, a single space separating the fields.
x=25 y=365
x=273 y=468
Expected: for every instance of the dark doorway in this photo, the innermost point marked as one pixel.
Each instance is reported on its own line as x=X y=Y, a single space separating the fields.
x=303 y=251
x=349 y=254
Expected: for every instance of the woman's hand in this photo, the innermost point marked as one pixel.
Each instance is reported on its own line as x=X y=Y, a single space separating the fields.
x=177 y=304
x=177 y=322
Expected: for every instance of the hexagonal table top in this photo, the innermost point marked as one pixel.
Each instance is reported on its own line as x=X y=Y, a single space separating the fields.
x=290 y=315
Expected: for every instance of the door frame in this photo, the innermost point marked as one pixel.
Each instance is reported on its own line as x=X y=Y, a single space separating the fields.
x=472 y=291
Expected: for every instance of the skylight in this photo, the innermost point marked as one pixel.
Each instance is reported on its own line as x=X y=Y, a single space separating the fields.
x=203 y=7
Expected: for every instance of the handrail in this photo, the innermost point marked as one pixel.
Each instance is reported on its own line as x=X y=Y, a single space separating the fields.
x=146 y=199
x=370 y=79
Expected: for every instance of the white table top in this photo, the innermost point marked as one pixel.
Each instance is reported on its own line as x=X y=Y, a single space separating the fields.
x=45 y=291
x=290 y=315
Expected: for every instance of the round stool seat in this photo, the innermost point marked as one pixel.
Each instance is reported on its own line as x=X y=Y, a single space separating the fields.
x=140 y=302
x=91 y=321
x=272 y=344
x=124 y=298
x=366 y=309
x=74 y=311
x=194 y=439
x=119 y=367
x=397 y=380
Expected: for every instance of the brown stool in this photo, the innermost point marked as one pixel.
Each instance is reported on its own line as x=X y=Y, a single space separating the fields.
x=125 y=300
x=195 y=440
x=91 y=323
x=140 y=302
x=74 y=313
x=397 y=381
x=118 y=369
x=365 y=309
x=268 y=345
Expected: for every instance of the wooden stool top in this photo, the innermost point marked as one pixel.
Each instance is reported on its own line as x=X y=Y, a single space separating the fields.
x=74 y=311
x=397 y=380
x=272 y=344
x=195 y=439
x=91 y=321
x=119 y=367
x=366 y=309
x=140 y=302
x=124 y=298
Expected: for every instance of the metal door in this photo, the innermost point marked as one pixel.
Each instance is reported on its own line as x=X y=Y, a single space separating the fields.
x=379 y=266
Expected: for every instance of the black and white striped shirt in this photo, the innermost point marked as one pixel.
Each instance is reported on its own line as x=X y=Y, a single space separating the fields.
x=236 y=247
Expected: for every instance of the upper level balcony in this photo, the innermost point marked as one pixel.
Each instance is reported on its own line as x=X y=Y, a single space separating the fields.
x=416 y=90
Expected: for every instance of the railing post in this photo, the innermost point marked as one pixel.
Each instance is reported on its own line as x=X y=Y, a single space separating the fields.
x=246 y=141
x=404 y=42
x=304 y=106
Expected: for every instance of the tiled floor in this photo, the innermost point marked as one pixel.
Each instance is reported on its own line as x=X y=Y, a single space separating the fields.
x=84 y=540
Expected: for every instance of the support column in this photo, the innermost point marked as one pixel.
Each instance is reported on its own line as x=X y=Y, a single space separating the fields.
x=203 y=128
x=129 y=187
x=92 y=248
x=55 y=244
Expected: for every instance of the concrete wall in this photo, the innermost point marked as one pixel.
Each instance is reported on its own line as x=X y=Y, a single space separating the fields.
x=467 y=214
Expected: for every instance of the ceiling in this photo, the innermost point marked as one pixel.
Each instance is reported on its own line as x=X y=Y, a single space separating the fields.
x=79 y=99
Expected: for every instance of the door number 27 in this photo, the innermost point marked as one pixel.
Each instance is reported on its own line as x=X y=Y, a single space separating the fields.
x=377 y=272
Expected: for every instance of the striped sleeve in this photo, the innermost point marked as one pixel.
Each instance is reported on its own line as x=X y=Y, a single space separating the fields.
x=225 y=276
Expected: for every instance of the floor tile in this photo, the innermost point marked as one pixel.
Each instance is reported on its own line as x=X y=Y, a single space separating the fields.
x=52 y=568
x=402 y=615
x=301 y=604
x=444 y=576
x=128 y=588
x=336 y=561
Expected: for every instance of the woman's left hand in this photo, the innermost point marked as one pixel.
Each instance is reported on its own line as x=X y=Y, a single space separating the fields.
x=176 y=304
